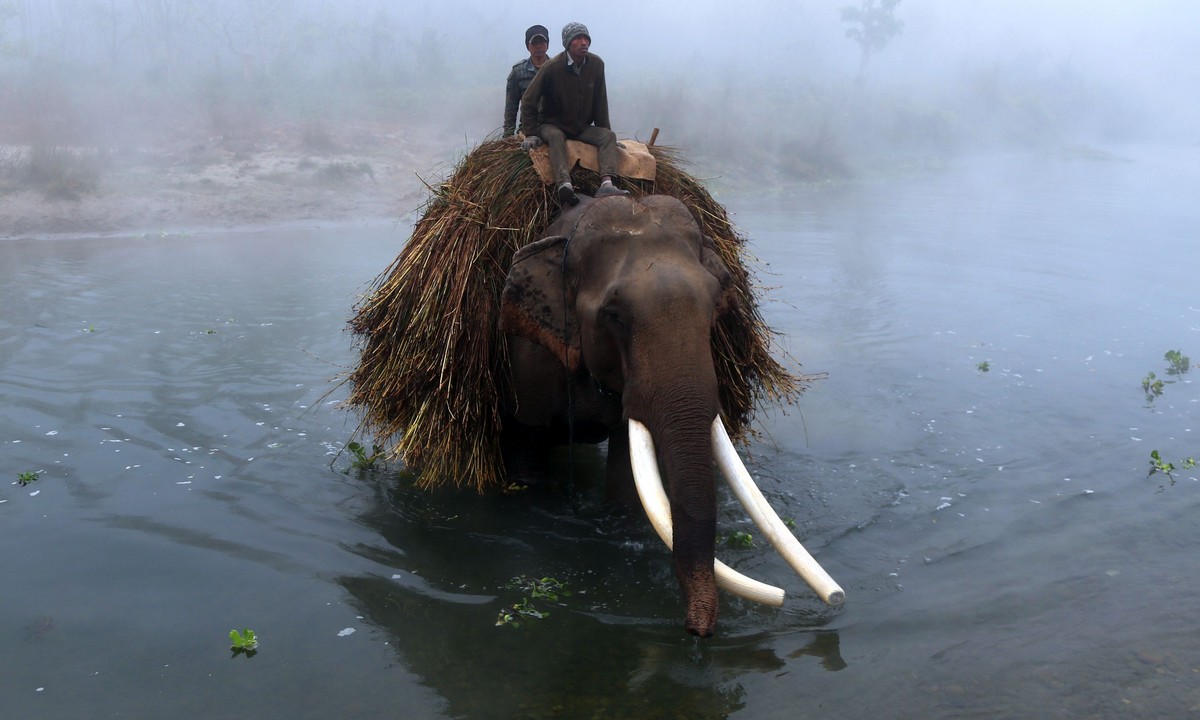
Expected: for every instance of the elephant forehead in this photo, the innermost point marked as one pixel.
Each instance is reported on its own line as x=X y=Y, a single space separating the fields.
x=615 y=246
x=646 y=231
x=632 y=214
x=667 y=205
x=676 y=281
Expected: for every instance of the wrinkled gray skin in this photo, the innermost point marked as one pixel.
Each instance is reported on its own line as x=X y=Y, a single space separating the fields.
x=620 y=299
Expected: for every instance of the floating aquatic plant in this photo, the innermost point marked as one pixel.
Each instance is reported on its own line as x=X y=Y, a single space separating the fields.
x=739 y=539
x=1152 y=385
x=363 y=461
x=1180 y=363
x=244 y=642
x=546 y=588
x=1158 y=465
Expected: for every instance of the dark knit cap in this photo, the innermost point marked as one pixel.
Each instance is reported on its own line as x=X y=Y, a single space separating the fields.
x=537 y=31
x=574 y=30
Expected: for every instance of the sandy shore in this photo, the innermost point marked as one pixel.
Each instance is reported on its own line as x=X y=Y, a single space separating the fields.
x=285 y=175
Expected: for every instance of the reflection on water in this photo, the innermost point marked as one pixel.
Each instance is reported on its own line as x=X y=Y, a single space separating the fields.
x=613 y=648
x=1003 y=552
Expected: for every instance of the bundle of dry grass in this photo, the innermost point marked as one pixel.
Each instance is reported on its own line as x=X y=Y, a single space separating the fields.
x=433 y=361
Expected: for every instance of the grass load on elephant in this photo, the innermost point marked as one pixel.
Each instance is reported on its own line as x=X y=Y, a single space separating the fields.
x=434 y=383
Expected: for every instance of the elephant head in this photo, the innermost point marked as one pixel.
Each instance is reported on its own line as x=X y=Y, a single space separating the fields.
x=619 y=304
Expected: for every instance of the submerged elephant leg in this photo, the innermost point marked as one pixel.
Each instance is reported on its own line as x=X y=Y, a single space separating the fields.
x=619 y=487
x=526 y=454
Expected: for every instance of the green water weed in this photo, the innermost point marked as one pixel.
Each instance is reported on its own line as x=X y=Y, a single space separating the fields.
x=1158 y=465
x=545 y=588
x=1179 y=362
x=362 y=461
x=244 y=642
x=739 y=539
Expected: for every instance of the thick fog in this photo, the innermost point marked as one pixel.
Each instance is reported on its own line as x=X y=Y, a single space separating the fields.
x=755 y=81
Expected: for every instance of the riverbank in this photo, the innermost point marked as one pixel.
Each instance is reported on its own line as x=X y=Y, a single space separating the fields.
x=286 y=174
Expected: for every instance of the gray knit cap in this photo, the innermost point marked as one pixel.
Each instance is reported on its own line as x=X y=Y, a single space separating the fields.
x=574 y=30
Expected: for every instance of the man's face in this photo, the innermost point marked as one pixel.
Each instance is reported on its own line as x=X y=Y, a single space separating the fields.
x=537 y=48
x=578 y=46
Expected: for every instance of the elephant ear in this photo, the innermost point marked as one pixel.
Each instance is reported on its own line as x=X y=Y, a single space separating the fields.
x=711 y=258
x=537 y=298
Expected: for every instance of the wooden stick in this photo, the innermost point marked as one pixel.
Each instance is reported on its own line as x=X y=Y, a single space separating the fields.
x=653 y=137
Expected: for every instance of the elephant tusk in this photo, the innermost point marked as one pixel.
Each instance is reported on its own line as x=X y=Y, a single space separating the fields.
x=654 y=499
x=768 y=521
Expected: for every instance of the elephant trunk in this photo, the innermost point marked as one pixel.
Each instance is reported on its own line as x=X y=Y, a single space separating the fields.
x=686 y=458
x=679 y=419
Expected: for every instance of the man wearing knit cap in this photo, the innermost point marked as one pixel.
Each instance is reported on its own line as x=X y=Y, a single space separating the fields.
x=537 y=41
x=573 y=102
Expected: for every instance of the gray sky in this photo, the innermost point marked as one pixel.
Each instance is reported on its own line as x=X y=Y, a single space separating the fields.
x=703 y=62
x=1147 y=52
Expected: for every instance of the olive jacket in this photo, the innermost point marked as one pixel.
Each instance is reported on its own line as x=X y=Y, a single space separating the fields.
x=569 y=101
x=519 y=77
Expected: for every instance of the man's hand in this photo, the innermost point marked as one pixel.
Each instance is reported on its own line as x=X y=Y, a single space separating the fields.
x=531 y=142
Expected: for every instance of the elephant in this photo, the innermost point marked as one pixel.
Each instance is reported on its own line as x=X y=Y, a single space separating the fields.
x=609 y=320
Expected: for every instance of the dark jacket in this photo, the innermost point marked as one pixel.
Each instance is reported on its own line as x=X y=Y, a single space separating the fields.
x=571 y=102
x=518 y=82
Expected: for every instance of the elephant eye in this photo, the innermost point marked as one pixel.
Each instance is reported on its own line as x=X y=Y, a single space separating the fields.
x=611 y=314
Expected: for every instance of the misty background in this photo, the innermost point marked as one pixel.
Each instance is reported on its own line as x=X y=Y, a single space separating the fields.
x=772 y=86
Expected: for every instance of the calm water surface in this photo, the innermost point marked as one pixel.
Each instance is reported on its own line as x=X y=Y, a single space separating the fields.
x=1003 y=551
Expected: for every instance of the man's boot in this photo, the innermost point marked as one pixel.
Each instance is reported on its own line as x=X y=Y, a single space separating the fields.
x=567 y=196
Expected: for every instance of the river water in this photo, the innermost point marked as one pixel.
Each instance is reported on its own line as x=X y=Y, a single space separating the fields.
x=973 y=471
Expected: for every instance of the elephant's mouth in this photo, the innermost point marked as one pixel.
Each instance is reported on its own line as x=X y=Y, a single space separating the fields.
x=654 y=500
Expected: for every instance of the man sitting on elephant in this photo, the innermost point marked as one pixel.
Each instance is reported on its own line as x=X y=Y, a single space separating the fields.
x=537 y=38
x=574 y=106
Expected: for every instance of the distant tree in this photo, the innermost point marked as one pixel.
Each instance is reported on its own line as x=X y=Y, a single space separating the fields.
x=252 y=30
x=8 y=12
x=108 y=22
x=873 y=25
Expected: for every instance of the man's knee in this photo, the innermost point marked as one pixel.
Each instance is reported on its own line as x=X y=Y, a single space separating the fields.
x=605 y=141
x=551 y=133
x=598 y=136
